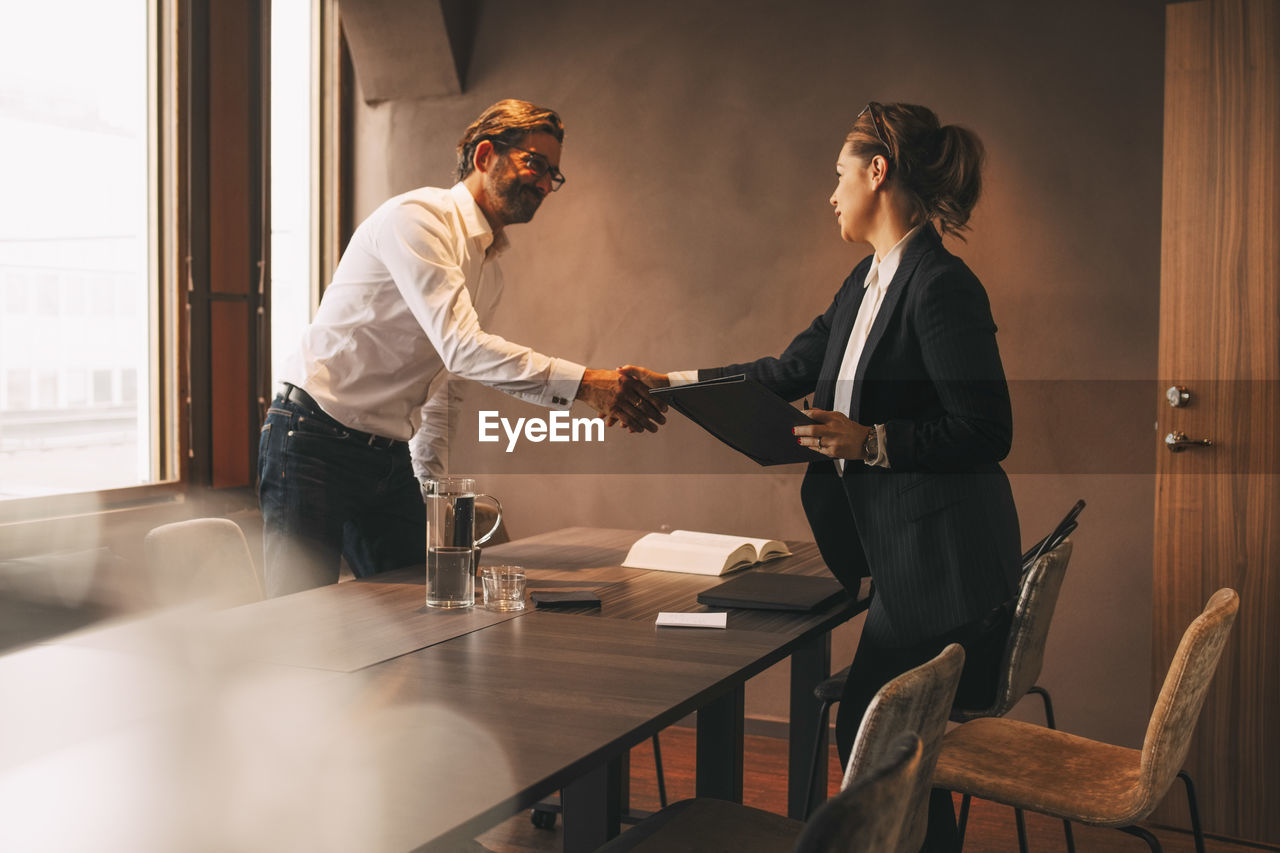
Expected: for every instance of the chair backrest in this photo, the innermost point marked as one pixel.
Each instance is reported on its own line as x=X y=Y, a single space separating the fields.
x=1028 y=632
x=867 y=816
x=1178 y=708
x=917 y=701
x=199 y=559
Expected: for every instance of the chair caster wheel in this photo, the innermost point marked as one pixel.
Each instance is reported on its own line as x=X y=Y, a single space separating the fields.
x=542 y=819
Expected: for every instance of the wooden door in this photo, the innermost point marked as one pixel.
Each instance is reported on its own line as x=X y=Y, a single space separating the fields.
x=1217 y=516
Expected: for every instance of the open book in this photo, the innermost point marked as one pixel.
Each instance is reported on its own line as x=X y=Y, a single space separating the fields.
x=701 y=553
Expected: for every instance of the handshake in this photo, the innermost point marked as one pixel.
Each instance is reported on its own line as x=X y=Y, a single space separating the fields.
x=622 y=396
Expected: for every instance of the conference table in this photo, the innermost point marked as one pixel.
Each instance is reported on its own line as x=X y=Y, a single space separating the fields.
x=353 y=717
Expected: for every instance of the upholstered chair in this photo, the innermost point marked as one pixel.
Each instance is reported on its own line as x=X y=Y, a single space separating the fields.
x=1024 y=657
x=204 y=558
x=916 y=701
x=870 y=813
x=1078 y=779
x=1020 y=666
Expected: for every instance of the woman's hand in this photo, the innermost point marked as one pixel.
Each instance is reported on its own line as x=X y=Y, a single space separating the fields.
x=647 y=378
x=833 y=435
x=651 y=378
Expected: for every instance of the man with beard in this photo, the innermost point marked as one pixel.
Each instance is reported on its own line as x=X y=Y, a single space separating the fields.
x=403 y=313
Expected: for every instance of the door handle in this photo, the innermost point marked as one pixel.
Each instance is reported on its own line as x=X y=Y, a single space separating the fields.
x=1177 y=442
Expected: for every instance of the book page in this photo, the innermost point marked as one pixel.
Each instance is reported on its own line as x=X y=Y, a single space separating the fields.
x=762 y=549
x=674 y=554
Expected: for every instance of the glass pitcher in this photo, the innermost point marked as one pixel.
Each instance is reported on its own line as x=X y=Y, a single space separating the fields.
x=451 y=539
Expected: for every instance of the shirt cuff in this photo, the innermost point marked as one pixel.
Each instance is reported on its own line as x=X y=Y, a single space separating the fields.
x=682 y=377
x=562 y=386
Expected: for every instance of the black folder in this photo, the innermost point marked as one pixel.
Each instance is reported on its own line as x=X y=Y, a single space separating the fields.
x=744 y=415
x=765 y=591
x=1054 y=539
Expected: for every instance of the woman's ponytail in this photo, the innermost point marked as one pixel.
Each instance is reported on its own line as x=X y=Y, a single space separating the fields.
x=940 y=168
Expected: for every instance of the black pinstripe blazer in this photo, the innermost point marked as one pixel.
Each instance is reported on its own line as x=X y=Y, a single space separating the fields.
x=938 y=530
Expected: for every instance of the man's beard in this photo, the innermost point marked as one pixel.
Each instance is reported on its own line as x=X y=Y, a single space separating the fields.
x=516 y=202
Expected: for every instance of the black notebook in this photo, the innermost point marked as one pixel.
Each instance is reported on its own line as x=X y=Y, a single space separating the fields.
x=764 y=591
x=744 y=415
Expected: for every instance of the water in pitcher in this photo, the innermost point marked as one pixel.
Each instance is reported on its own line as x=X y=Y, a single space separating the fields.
x=451 y=539
x=450 y=577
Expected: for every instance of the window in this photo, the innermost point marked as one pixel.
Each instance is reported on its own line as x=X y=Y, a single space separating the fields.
x=292 y=269
x=78 y=248
x=17 y=390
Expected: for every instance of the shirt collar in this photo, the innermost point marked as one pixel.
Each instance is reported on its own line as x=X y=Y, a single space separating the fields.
x=887 y=266
x=476 y=225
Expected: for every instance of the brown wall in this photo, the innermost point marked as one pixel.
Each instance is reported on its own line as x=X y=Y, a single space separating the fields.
x=694 y=229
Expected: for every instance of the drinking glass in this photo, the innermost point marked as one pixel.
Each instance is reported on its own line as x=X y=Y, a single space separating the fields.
x=503 y=587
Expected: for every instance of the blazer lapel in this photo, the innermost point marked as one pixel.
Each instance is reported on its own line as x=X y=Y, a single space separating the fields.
x=926 y=240
x=824 y=394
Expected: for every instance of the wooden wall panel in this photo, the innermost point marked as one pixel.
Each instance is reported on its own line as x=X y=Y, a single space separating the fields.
x=227 y=240
x=1218 y=508
x=229 y=415
x=232 y=144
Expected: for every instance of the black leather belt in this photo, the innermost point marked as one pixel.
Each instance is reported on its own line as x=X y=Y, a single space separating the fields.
x=294 y=394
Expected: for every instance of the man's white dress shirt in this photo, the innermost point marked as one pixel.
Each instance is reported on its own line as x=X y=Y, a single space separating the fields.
x=406 y=304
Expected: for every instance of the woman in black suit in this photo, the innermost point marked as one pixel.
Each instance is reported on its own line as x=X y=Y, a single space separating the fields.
x=911 y=404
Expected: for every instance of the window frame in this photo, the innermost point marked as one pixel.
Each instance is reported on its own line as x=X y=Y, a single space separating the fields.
x=166 y=138
x=178 y=84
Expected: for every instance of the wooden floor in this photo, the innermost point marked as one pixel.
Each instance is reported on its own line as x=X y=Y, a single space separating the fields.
x=991 y=827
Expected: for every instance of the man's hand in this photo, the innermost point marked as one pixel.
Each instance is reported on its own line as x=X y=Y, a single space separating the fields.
x=649 y=377
x=617 y=397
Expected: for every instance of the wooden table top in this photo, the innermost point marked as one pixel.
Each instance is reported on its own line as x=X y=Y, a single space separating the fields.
x=591 y=558
x=198 y=737
x=534 y=703
x=339 y=627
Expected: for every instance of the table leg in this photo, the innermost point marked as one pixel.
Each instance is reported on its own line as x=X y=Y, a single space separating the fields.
x=720 y=732
x=592 y=807
x=624 y=785
x=810 y=664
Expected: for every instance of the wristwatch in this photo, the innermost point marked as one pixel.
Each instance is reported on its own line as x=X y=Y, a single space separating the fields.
x=871 y=446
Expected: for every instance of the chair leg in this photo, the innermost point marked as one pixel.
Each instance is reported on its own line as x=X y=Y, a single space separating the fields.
x=964 y=818
x=817 y=767
x=1022 y=830
x=1048 y=704
x=1192 y=806
x=657 y=763
x=1138 y=831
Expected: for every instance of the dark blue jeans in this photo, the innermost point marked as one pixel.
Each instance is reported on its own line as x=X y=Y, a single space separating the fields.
x=325 y=493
